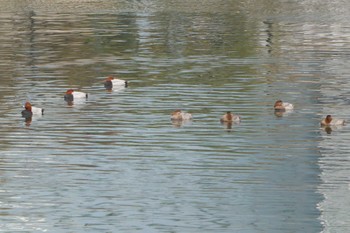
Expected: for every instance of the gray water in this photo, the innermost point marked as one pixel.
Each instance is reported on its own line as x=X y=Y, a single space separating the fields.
x=116 y=163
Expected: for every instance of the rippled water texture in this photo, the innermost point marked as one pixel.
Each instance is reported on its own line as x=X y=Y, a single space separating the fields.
x=117 y=163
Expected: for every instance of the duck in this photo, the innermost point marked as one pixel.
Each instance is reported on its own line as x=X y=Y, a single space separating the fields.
x=283 y=106
x=329 y=121
x=30 y=110
x=112 y=82
x=180 y=115
x=71 y=95
x=230 y=117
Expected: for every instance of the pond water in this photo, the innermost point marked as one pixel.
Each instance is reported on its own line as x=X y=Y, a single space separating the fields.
x=117 y=163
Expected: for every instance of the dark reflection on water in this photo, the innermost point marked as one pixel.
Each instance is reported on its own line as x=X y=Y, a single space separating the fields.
x=116 y=162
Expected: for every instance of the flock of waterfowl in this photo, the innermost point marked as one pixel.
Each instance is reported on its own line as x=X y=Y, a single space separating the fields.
x=111 y=83
x=280 y=107
x=71 y=95
x=326 y=122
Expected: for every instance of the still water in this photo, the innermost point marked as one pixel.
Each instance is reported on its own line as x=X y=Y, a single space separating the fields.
x=116 y=163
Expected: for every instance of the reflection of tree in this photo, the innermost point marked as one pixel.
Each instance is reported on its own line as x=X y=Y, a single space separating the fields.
x=188 y=34
x=78 y=46
x=71 y=43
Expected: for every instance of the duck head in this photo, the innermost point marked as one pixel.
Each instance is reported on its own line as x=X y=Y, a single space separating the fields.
x=279 y=105
x=28 y=106
x=328 y=119
x=69 y=95
x=108 y=83
x=176 y=115
x=229 y=116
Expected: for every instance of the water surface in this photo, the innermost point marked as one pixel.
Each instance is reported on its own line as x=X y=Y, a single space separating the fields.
x=116 y=163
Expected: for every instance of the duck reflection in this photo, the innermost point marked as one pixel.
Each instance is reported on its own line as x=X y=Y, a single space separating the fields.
x=327 y=129
x=279 y=113
x=181 y=123
x=28 y=121
x=227 y=126
x=70 y=103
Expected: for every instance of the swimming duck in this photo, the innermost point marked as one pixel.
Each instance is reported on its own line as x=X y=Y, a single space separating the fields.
x=112 y=82
x=71 y=95
x=283 y=106
x=30 y=110
x=329 y=121
x=229 y=117
x=180 y=115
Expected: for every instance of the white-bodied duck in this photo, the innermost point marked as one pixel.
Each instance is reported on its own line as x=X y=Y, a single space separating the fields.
x=72 y=95
x=283 y=106
x=114 y=83
x=180 y=115
x=229 y=117
x=30 y=111
x=330 y=121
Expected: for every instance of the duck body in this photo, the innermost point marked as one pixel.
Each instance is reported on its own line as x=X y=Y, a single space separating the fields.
x=180 y=115
x=112 y=83
x=330 y=121
x=37 y=111
x=288 y=106
x=72 y=95
x=283 y=106
x=230 y=118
